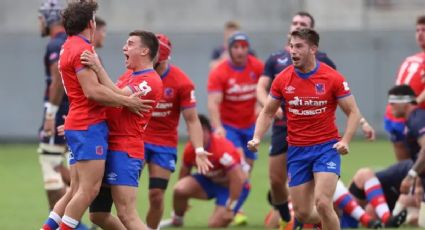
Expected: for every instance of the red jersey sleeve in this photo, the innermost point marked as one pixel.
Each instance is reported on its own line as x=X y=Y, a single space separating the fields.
x=215 y=82
x=341 y=88
x=277 y=87
x=187 y=95
x=188 y=155
x=76 y=62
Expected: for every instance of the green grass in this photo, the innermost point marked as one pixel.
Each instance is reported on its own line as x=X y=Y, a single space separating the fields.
x=23 y=204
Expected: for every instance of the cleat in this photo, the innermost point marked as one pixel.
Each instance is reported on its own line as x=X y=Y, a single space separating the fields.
x=397 y=220
x=375 y=224
x=297 y=225
x=170 y=223
x=283 y=225
x=240 y=219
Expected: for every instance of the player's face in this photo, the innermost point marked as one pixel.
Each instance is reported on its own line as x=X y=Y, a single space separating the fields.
x=42 y=26
x=398 y=109
x=301 y=52
x=99 y=36
x=420 y=35
x=134 y=52
x=239 y=53
x=299 y=22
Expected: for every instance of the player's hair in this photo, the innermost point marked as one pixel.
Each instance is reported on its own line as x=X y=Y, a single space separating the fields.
x=205 y=122
x=403 y=90
x=309 y=35
x=232 y=25
x=99 y=22
x=307 y=14
x=76 y=17
x=149 y=40
x=420 y=20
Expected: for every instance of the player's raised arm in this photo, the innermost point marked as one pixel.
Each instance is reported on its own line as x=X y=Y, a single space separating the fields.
x=264 y=121
x=349 y=107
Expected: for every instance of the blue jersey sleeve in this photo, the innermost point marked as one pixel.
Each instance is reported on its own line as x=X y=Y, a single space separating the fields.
x=53 y=50
x=269 y=67
x=417 y=123
x=323 y=57
x=216 y=53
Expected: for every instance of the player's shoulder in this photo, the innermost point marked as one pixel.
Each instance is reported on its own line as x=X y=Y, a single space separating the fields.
x=180 y=75
x=417 y=57
x=285 y=73
x=56 y=42
x=223 y=143
x=256 y=62
x=278 y=54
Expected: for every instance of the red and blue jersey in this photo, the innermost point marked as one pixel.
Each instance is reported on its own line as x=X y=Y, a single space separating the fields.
x=238 y=86
x=82 y=111
x=224 y=156
x=412 y=73
x=126 y=128
x=178 y=94
x=311 y=101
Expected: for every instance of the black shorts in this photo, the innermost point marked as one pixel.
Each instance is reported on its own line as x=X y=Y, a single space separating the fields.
x=391 y=179
x=279 y=144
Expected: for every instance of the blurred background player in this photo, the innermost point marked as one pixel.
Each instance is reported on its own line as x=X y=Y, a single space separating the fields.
x=314 y=144
x=226 y=181
x=231 y=98
x=52 y=147
x=411 y=73
x=161 y=137
x=99 y=33
x=220 y=53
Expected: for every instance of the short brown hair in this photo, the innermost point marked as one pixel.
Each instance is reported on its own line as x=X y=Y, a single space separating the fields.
x=307 y=14
x=99 y=21
x=232 y=25
x=148 y=39
x=77 y=16
x=420 y=20
x=309 y=35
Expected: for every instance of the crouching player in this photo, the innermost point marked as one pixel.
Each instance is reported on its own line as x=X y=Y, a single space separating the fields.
x=226 y=181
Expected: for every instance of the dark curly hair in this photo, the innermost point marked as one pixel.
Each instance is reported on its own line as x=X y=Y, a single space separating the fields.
x=77 y=16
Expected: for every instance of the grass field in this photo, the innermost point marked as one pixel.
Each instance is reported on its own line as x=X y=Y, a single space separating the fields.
x=23 y=204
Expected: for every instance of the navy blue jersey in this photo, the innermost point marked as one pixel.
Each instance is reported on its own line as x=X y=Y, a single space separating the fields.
x=415 y=128
x=52 y=56
x=216 y=54
x=280 y=60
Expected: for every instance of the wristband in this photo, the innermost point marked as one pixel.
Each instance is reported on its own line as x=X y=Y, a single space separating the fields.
x=412 y=173
x=231 y=204
x=199 y=150
x=51 y=110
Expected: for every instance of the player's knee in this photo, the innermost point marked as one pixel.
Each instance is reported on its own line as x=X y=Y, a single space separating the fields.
x=97 y=218
x=180 y=190
x=277 y=181
x=324 y=205
x=362 y=175
x=156 y=198
x=302 y=215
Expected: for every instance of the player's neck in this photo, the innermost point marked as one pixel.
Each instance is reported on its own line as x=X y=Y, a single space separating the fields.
x=86 y=33
x=143 y=66
x=55 y=30
x=161 y=68
x=309 y=66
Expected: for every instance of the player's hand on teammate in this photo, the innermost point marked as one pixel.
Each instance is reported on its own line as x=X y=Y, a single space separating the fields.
x=406 y=185
x=341 y=147
x=91 y=60
x=253 y=144
x=49 y=127
x=220 y=131
x=138 y=105
x=368 y=131
x=203 y=164
x=61 y=130
x=279 y=113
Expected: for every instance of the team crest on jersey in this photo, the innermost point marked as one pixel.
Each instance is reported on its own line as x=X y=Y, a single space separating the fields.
x=53 y=56
x=252 y=75
x=320 y=88
x=144 y=88
x=289 y=89
x=99 y=150
x=168 y=92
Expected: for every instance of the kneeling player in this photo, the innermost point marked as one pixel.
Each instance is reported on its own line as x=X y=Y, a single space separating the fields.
x=226 y=181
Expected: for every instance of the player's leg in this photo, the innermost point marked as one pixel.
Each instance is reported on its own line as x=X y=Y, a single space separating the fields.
x=222 y=217
x=346 y=202
x=196 y=186
x=89 y=149
x=125 y=202
x=161 y=163
x=100 y=211
x=278 y=173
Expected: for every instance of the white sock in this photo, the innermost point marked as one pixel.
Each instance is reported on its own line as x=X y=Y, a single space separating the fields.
x=70 y=222
x=54 y=216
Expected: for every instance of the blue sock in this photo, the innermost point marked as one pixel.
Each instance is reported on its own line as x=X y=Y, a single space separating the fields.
x=53 y=221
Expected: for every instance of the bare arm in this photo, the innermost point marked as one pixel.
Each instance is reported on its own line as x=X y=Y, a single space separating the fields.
x=92 y=61
x=56 y=90
x=214 y=101
x=421 y=97
x=236 y=180
x=419 y=165
x=263 y=87
x=264 y=121
x=349 y=107
x=184 y=171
